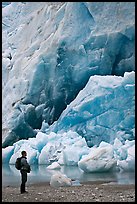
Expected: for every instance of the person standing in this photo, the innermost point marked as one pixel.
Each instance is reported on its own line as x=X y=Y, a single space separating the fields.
x=25 y=168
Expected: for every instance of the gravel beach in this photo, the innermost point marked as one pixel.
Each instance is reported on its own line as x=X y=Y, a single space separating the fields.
x=86 y=192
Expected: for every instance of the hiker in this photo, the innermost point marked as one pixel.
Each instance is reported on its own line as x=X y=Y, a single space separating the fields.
x=25 y=168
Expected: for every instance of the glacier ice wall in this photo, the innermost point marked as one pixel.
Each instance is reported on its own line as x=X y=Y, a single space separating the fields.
x=50 y=50
x=102 y=111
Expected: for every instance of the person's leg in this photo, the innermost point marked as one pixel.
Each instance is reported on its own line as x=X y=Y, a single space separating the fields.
x=21 y=187
x=23 y=181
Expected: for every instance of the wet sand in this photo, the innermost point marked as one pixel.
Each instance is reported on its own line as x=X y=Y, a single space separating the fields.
x=87 y=192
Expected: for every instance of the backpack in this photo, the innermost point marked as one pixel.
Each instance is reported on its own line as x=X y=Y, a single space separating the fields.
x=18 y=163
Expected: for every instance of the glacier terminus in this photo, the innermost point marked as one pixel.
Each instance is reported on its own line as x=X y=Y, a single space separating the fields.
x=68 y=84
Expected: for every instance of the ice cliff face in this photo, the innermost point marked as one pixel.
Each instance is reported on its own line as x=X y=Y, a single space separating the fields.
x=50 y=50
x=102 y=111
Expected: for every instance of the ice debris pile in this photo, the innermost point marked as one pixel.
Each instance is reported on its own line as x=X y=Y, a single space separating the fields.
x=49 y=52
x=56 y=150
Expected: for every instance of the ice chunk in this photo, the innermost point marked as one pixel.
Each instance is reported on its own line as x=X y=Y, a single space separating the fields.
x=120 y=152
x=54 y=165
x=60 y=179
x=129 y=163
x=46 y=155
x=99 y=160
x=39 y=142
x=72 y=154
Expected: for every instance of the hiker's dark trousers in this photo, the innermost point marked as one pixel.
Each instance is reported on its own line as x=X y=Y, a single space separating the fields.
x=23 y=180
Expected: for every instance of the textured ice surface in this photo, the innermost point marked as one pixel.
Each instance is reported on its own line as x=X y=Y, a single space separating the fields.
x=59 y=179
x=129 y=162
x=59 y=149
x=102 y=111
x=54 y=165
x=32 y=152
x=7 y=153
x=68 y=85
x=109 y=157
x=99 y=159
x=46 y=149
x=49 y=52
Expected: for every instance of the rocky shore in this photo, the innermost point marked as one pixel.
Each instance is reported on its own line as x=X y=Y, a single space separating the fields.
x=86 y=192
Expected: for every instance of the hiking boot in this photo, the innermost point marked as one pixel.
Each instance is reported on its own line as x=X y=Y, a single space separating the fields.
x=24 y=192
